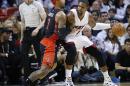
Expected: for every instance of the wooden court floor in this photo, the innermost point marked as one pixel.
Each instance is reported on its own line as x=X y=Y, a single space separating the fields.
x=62 y=84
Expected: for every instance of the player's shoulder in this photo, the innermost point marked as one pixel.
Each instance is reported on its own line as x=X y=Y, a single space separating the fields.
x=61 y=14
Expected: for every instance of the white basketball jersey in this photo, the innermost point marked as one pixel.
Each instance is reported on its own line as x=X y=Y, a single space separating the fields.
x=84 y=20
x=79 y=39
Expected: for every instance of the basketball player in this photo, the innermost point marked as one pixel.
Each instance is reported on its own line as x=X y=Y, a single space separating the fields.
x=55 y=21
x=79 y=19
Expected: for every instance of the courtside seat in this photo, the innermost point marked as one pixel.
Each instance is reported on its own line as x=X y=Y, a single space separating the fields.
x=11 y=11
x=6 y=13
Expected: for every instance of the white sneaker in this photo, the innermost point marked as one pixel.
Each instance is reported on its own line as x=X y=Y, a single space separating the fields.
x=69 y=82
x=109 y=83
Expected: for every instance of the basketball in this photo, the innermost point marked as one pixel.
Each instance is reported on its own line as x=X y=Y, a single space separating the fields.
x=118 y=29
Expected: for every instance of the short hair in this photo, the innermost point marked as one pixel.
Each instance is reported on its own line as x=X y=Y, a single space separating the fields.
x=84 y=1
x=127 y=40
x=113 y=10
x=104 y=12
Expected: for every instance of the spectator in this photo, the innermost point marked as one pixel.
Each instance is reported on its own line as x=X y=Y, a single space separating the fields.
x=86 y=63
x=13 y=24
x=112 y=47
x=95 y=15
x=122 y=64
x=95 y=6
x=128 y=32
x=12 y=3
x=4 y=36
x=4 y=4
x=112 y=13
x=86 y=69
x=127 y=15
x=121 y=8
x=102 y=35
x=104 y=17
x=105 y=6
x=98 y=43
x=7 y=3
x=9 y=60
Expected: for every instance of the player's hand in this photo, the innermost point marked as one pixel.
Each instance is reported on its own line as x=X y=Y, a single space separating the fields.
x=35 y=32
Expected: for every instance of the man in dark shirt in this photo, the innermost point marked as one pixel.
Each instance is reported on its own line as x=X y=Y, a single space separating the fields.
x=122 y=64
x=9 y=61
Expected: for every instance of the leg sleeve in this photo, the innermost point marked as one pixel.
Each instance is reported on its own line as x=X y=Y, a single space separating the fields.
x=71 y=53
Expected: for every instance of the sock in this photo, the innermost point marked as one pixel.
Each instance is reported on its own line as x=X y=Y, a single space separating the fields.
x=68 y=73
x=106 y=76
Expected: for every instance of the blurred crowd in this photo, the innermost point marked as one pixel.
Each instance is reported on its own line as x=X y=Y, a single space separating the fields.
x=116 y=50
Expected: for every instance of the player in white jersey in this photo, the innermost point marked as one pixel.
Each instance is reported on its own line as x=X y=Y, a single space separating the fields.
x=78 y=20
